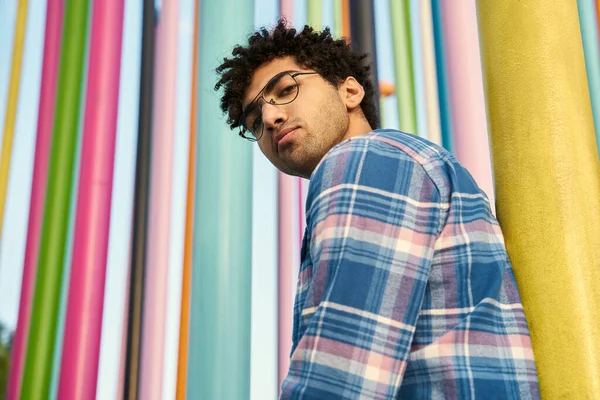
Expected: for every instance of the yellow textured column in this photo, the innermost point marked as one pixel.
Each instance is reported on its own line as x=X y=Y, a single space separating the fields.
x=547 y=176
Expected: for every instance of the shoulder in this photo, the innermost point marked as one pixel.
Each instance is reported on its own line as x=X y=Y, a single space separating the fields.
x=389 y=160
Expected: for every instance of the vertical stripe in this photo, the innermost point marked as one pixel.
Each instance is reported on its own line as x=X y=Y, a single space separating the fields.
x=314 y=12
x=219 y=353
x=52 y=37
x=547 y=176
x=140 y=219
x=178 y=195
x=418 y=73
x=66 y=276
x=405 y=91
x=465 y=87
x=286 y=187
x=346 y=18
x=120 y=389
x=286 y=9
x=264 y=303
x=362 y=31
x=36 y=379
x=590 y=34
x=327 y=14
x=300 y=14
x=301 y=221
x=113 y=342
x=338 y=28
x=442 y=75
x=157 y=251
x=434 y=132
x=285 y=212
x=79 y=368
x=11 y=105
x=189 y=224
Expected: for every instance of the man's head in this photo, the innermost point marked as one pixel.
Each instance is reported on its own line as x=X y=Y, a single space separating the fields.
x=297 y=94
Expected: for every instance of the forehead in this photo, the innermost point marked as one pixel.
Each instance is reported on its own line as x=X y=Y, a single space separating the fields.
x=264 y=73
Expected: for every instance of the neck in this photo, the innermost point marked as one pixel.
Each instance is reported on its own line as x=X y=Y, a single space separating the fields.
x=357 y=125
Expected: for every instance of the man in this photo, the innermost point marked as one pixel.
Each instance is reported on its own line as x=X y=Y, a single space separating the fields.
x=405 y=287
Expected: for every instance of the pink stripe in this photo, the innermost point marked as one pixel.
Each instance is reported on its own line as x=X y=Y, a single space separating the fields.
x=328 y=229
x=452 y=343
x=157 y=256
x=301 y=223
x=285 y=293
x=353 y=354
x=286 y=9
x=54 y=21
x=286 y=259
x=79 y=366
x=469 y=124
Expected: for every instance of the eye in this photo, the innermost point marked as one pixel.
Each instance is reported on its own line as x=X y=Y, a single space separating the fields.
x=287 y=90
x=256 y=124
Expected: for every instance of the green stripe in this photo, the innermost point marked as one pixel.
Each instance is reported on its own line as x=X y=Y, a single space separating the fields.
x=44 y=316
x=64 y=291
x=315 y=14
x=405 y=88
x=338 y=25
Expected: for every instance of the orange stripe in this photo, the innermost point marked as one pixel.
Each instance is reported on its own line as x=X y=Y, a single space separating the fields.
x=346 y=20
x=189 y=228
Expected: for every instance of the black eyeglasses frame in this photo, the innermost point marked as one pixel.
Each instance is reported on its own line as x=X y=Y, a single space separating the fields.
x=272 y=82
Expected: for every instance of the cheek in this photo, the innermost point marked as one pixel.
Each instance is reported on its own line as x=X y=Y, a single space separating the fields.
x=330 y=116
x=265 y=147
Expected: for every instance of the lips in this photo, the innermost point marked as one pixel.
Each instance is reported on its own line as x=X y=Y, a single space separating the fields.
x=281 y=134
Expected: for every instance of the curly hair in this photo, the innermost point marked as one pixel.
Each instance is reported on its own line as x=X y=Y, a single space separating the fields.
x=333 y=59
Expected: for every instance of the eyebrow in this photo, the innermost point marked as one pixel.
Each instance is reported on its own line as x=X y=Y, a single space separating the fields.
x=272 y=82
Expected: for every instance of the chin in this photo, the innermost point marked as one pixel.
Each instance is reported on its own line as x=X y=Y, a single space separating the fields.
x=296 y=163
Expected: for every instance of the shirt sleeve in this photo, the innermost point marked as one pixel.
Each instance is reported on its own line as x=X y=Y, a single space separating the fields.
x=373 y=216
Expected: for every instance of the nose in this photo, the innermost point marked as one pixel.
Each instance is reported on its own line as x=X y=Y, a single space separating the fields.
x=273 y=116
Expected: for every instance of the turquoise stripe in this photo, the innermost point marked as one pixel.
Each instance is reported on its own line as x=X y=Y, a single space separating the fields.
x=219 y=348
x=419 y=79
x=588 y=20
x=300 y=14
x=442 y=76
x=327 y=15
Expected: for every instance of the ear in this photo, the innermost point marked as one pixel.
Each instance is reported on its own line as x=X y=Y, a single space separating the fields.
x=351 y=92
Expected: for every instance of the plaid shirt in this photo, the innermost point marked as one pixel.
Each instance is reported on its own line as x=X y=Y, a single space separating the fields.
x=405 y=288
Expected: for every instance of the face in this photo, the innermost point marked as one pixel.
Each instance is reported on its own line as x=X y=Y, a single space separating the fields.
x=297 y=135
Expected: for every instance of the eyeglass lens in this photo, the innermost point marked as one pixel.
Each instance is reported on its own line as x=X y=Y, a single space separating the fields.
x=282 y=89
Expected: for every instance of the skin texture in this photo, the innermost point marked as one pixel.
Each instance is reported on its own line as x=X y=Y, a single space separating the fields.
x=324 y=116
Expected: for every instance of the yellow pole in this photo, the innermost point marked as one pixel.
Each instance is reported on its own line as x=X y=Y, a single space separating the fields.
x=11 y=106
x=547 y=177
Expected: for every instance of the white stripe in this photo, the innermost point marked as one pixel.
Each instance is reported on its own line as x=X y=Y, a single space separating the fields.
x=461 y=195
x=452 y=311
x=361 y=313
x=394 y=196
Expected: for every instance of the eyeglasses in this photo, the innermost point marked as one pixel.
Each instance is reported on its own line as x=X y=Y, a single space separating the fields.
x=281 y=89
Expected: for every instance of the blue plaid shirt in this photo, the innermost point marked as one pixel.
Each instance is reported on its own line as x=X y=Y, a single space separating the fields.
x=405 y=288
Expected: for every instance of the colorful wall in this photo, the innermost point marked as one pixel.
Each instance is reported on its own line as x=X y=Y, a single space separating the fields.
x=146 y=251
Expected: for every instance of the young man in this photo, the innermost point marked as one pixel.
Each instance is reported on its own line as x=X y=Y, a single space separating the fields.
x=405 y=287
